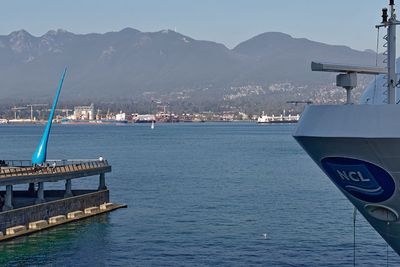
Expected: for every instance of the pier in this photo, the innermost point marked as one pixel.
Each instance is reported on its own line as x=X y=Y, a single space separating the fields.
x=28 y=211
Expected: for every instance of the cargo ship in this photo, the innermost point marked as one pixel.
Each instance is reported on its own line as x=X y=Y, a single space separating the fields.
x=264 y=118
x=71 y=121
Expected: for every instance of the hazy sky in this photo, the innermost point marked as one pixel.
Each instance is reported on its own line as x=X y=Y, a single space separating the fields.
x=347 y=22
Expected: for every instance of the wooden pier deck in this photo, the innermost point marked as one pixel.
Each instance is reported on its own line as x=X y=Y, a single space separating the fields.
x=22 y=172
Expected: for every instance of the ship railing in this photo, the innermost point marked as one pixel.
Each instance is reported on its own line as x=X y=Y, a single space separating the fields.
x=10 y=168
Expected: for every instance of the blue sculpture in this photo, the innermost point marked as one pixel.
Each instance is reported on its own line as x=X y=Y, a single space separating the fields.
x=39 y=156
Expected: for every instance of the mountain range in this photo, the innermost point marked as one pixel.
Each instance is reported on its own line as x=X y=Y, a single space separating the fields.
x=132 y=64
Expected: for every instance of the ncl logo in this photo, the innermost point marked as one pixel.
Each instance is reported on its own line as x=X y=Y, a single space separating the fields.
x=361 y=179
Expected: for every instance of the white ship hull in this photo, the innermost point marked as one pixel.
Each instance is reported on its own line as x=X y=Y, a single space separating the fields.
x=278 y=119
x=358 y=147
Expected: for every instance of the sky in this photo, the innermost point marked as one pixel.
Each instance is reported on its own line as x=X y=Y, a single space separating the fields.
x=341 y=22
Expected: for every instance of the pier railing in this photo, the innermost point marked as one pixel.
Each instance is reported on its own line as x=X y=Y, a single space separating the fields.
x=12 y=168
x=58 y=162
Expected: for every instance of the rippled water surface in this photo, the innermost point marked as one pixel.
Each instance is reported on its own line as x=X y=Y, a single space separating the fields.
x=198 y=194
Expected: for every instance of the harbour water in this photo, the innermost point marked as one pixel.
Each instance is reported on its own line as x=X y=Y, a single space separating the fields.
x=197 y=194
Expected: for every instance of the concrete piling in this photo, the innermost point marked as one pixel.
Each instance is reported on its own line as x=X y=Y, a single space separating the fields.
x=8 y=201
x=102 y=181
x=91 y=210
x=68 y=188
x=57 y=219
x=15 y=230
x=37 y=224
x=75 y=214
x=40 y=193
x=106 y=206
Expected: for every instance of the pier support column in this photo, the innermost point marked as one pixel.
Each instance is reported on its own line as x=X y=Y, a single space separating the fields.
x=9 y=196
x=102 y=182
x=68 y=187
x=31 y=189
x=40 y=193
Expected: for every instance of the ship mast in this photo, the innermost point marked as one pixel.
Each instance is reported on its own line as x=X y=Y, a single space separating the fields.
x=392 y=80
x=390 y=24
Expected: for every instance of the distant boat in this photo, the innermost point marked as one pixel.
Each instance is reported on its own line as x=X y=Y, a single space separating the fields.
x=144 y=118
x=152 y=125
x=264 y=118
x=111 y=121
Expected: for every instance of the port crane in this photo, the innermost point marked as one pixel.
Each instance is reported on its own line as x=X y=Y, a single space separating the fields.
x=162 y=106
x=17 y=109
x=63 y=110
x=35 y=105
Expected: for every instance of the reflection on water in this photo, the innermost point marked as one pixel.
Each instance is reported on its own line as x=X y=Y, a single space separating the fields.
x=39 y=248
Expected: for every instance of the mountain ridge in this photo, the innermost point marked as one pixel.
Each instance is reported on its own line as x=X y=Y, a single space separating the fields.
x=130 y=63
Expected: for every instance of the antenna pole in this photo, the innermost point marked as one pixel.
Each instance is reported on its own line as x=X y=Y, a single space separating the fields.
x=391 y=65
